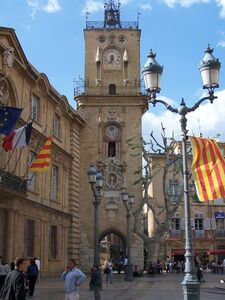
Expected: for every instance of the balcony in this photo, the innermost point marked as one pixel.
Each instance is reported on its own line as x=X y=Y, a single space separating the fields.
x=175 y=233
x=219 y=233
x=101 y=24
x=13 y=183
x=199 y=234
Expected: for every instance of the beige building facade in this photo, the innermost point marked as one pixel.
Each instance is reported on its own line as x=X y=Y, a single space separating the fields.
x=207 y=218
x=52 y=218
x=112 y=105
x=42 y=221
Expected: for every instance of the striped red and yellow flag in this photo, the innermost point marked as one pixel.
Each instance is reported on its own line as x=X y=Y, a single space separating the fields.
x=208 y=167
x=42 y=160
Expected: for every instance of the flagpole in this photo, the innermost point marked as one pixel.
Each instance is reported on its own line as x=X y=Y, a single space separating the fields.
x=30 y=179
x=14 y=147
x=21 y=150
x=35 y=150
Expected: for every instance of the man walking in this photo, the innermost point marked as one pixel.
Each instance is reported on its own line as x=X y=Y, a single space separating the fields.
x=73 y=279
x=14 y=283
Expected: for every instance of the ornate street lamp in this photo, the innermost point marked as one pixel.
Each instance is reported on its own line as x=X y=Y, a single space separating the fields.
x=209 y=68
x=96 y=180
x=128 y=200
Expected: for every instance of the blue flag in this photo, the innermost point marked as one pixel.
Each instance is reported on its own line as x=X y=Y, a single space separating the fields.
x=8 y=118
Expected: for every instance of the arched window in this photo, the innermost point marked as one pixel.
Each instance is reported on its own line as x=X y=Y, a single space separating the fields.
x=112 y=89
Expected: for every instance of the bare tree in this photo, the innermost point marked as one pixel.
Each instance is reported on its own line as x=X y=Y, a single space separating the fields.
x=164 y=209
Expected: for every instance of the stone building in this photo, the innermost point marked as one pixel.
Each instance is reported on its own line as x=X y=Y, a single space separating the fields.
x=53 y=218
x=207 y=218
x=43 y=220
x=112 y=105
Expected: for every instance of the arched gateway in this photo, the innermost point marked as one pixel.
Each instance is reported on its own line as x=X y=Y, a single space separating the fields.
x=112 y=245
x=111 y=58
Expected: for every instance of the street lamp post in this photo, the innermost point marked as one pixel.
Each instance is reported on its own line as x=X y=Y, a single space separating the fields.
x=128 y=201
x=96 y=181
x=209 y=69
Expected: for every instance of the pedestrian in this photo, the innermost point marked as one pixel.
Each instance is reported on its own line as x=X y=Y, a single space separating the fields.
x=32 y=275
x=4 y=270
x=96 y=281
x=125 y=264
x=38 y=263
x=73 y=279
x=14 y=283
x=109 y=267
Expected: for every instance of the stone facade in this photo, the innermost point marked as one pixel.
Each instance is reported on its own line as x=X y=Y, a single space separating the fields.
x=207 y=218
x=39 y=223
x=113 y=107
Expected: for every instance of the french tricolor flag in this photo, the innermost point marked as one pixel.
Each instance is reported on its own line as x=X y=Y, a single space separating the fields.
x=17 y=138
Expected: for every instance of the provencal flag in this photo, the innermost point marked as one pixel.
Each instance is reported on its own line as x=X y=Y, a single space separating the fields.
x=208 y=167
x=42 y=160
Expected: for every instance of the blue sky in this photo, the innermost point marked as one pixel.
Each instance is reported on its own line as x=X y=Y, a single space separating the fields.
x=51 y=35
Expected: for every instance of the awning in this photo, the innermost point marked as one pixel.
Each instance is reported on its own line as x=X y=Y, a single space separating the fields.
x=179 y=252
x=218 y=251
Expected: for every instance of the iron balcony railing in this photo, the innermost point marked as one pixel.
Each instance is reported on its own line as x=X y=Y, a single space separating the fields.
x=104 y=90
x=199 y=233
x=175 y=233
x=101 y=24
x=219 y=233
x=12 y=182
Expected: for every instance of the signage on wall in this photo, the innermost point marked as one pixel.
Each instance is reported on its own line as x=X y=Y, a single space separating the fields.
x=220 y=215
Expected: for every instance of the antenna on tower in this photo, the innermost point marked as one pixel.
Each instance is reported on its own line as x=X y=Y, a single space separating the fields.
x=138 y=16
x=199 y=127
x=87 y=13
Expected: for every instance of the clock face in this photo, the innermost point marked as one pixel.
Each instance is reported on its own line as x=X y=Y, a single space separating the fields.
x=112 y=59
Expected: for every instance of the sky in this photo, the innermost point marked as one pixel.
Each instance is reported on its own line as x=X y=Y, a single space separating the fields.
x=51 y=35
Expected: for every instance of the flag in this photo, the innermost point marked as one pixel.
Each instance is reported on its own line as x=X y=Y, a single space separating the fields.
x=42 y=160
x=18 y=138
x=208 y=167
x=8 y=118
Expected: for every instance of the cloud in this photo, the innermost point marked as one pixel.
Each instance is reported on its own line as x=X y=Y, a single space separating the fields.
x=49 y=6
x=221 y=43
x=52 y=6
x=221 y=3
x=93 y=6
x=197 y=121
x=184 y=3
x=146 y=6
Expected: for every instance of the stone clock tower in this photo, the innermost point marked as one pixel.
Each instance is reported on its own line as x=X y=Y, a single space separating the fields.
x=112 y=105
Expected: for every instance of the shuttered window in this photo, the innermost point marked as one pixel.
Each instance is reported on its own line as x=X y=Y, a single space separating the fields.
x=30 y=235
x=56 y=125
x=34 y=108
x=54 y=241
x=54 y=182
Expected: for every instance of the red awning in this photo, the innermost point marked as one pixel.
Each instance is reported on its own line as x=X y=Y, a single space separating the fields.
x=177 y=252
x=218 y=251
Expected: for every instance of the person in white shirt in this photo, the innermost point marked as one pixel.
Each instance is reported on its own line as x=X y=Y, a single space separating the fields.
x=38 y=263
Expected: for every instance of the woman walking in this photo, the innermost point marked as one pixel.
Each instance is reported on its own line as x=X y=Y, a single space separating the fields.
x=32 y=274
x=4 y=270
x=109 y=267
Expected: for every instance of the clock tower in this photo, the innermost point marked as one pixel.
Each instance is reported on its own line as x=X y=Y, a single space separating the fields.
x=112 y=105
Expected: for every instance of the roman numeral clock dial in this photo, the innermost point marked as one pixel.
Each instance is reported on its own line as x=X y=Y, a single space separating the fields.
x=112 y=59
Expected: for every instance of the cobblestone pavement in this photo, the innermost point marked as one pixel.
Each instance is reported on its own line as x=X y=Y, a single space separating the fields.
x=162 y=287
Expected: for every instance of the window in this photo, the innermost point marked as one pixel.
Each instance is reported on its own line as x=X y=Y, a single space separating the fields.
x=199 y=224
x=56 y=125
x=111 y=149
x=34 y=108
x=54 y=182
x=174 y=189
x=220 y=224
x=176 y=224
x=218 y=201
x=112 y=89
x=31 y=176
x=30 y=234
x=53 y=244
